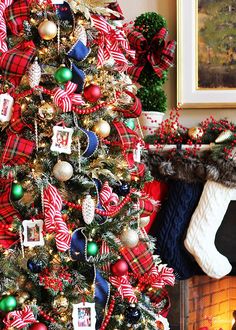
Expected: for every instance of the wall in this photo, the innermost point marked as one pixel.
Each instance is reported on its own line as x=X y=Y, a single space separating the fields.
x=167 y=8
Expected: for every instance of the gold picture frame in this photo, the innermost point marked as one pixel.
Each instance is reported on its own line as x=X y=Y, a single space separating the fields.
x=189 y=94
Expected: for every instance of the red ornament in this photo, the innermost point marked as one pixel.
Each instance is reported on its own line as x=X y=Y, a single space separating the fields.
x=92 y=93
x=120 y=268
x=38 y=326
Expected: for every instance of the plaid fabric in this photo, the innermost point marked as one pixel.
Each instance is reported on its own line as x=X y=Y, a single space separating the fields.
x=17 y=150
x=7 y=214
x=129 y=139
x=158 y=298
x=16 y=124
x=135 y=110
x=15 y=15
x=15 y=61
x=116 y=7
x=159 y=53
x=147 y=205
x=139 y=258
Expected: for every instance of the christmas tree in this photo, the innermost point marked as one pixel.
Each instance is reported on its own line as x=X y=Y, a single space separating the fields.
x=73 y=206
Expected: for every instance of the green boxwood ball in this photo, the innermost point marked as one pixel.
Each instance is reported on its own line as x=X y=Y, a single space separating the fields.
x=150 y=23
x=149 y=77
x=8 y=303
x=92 y=248
x=17 y=191
x=153 y=98
x=63 y=75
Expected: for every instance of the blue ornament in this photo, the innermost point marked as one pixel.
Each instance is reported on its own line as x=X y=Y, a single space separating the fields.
x=123 y=189
x=130 y=123
x=35 y=266
x=132 y=314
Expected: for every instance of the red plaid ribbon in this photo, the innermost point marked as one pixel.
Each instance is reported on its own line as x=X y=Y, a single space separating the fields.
x=157 y=297
x=17 y=150
x=147 y=204
x=129 y=140
x=15 y=61
x=135 y=110
x=8 y=214
x=19 y=319
x=160 y=54
x=116 y=7
x=17 y=124
x=158 y=278
x=15 y=15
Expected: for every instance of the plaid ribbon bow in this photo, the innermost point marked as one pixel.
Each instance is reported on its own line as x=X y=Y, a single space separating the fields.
x=160 y=54
x=158 y=278
x=15 y=15
x=112 y=43
x=64 y=98
x=17 y=123
x=19 y=319
x=14 y=62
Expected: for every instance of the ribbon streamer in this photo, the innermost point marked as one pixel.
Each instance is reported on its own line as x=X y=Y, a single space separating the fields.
x=64 y=98
x=159 y=53
x=112 y=43
x=79 y=51
x=108 y=199
x=78 y=77
x=53 y=218
x=19 y=319
x=78 y=251
x=92 y=143
x=15 y=15
x=124 y=287
x=3 y=29
x=134 y=110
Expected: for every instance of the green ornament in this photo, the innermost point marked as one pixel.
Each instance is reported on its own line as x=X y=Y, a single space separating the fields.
x=63 y=75
x=17 y=191
x=92 y=248
x=130 y=123
x=8 y=303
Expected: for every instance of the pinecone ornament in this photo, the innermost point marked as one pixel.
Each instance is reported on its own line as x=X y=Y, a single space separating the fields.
x=34 y=73
x=80 y=34
x=88 y=209
x=224 y=136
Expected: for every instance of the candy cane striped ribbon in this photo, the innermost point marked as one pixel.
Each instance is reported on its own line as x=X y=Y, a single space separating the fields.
x=53 y=219
x=108 y=199
x=3 y=29
x=64 y=98
x=104 y=249
x=124 y=287
x=19 y=319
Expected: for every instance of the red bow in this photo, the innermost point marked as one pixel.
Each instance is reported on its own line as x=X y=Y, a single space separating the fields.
x=108 y=199
x=112 y=43
x=64 y=98
x=19 y=319
x=124 y=287
x=159 y=53
x=158 y=278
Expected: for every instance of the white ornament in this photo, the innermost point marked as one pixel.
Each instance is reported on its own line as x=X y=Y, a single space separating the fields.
x=144 y=221
x=80 y=34
x=129 y=238
x=33 y=233
x=63 y=171
x=6 y=104
x=162 y=323
x=137 y=153
x=62 y=139
x=88 y=209
x=34 y=74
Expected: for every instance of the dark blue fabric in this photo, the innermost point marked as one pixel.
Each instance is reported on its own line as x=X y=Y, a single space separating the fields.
x=171 y=224
x=78 y=77
x=64 y=12
x=79 y=51
x=92 y=143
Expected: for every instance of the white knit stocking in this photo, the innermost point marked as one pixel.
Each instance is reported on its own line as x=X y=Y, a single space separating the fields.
x=205 y=221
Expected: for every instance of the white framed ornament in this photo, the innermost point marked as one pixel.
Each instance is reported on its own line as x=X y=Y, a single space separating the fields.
x=84 y=316
x=6 y=104
x=162 y=323
x=33 y=233
x=62 y=139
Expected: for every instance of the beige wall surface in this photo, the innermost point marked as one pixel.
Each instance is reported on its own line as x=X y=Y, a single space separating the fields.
x=167 y=8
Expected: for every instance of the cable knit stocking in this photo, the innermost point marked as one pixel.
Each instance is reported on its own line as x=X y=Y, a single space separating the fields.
x=207 y=218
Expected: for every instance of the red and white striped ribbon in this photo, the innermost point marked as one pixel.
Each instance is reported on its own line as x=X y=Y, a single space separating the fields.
x=53 y=218
x=104 y=249
x=3 y=29
x=158 y=278
x=112 y=43
x=108 y=199
x=124 y=287
x=19 y=319
x=65 y=98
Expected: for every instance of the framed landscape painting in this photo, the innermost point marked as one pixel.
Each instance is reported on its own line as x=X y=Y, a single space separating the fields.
x=206 y=57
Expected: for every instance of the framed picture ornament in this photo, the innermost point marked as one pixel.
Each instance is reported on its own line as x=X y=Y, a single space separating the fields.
x=6 y=104
x=33 y=233
x=62 y=139
x=84 y=316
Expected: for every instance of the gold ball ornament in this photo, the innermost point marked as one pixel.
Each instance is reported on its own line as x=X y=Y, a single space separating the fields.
x=46 y=111
x=62 y=171
x=195 y=133
x=60 y=303
x=47 y=30
x=102 y=128
x=129 y=238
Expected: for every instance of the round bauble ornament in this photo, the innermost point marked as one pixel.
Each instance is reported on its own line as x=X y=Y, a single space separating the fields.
x=144 y=221
x=62 y=171
x=119 y=268
x=92 y=248
x=60 y=303
x=123 y=189
x=132 y=314
x=22 y=296
x=130 y=123
x=63 y=75
x=38 y=326
x=129 y=238
x=35 y=266
x=17 y=191
x=8 y=303
x=102 y=128
x=195 y=133
x=92 y=93
x=47 y=30
x=46 y=111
